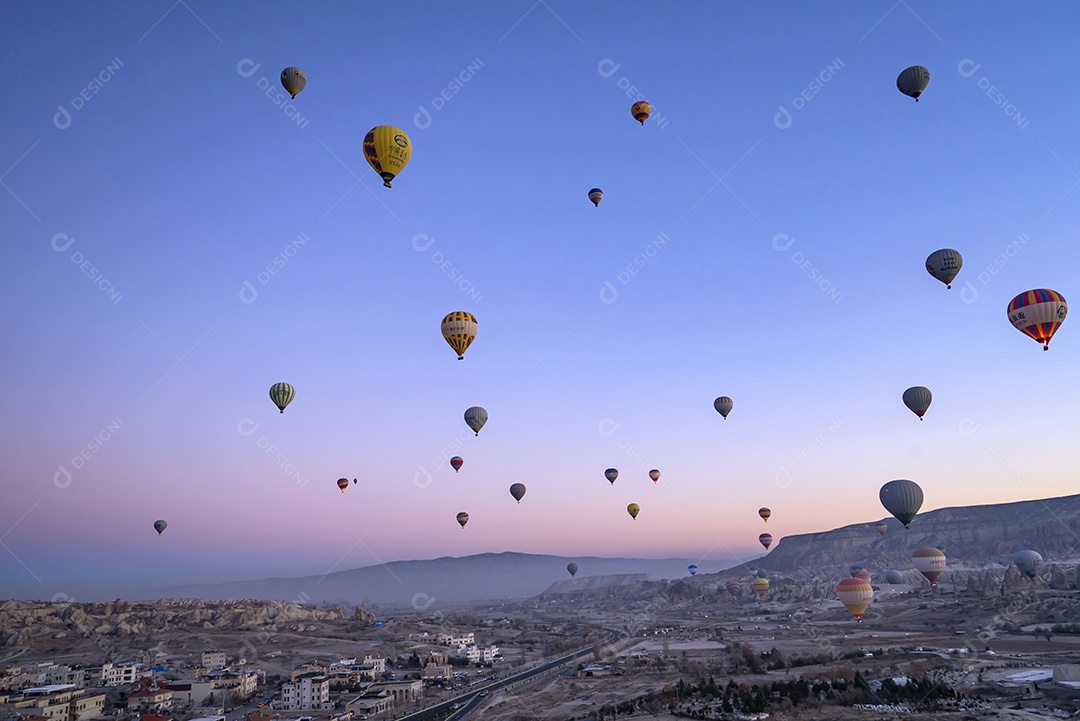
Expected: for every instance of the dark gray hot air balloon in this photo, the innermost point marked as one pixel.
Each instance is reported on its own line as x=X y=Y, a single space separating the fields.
x=903 y=499
x=913 y=81
x=476 y=417
x=517 y=491
x=1029 y=562
x=160 y=526
x=572 y=568
x=893 y=576
x=917 y=399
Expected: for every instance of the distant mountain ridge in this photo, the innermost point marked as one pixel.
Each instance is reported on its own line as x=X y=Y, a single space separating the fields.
x=422 y=584
x=975 y=534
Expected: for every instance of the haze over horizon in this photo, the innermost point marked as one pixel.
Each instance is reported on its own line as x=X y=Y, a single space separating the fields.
x=184 y=236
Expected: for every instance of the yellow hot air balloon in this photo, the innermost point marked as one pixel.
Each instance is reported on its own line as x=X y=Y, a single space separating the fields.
x=856 y=595
x=633 y=509
x=761 y=585
x=387 y=150
x=459 y=329
x=293 y=80
x=641 y=111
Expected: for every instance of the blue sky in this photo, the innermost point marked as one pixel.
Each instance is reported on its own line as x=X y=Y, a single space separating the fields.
x=762 y=236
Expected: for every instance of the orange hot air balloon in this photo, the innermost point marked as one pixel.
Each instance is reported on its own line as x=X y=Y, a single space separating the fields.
x=856 y=595
x=764 y=513
x=766 y=540
x=343 y=483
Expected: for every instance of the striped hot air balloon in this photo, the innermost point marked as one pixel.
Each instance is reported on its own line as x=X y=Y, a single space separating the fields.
x=293 y=80
x=641 y=111
x=761 y=586
x=282 y=395
x=930 y=562
x=856 y=595
x=766 y=540
x=611 y=474
x=764 y=513
x=463 y=518
x=459 y=329
x=1038 y=314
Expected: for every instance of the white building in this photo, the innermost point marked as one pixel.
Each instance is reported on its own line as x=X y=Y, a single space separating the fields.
x=115 y=674
x=475 y=654
x=449 y=639
x=213 y=660
x=308 y=692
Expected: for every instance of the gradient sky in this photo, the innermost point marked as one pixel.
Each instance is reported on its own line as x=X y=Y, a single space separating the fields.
x=781 y=200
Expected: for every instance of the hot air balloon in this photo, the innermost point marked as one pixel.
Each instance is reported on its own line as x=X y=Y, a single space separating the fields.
x=463 y=518
x=766 y=540
x=343 y=483
x=733 y=588
x=917 y=399
x=723 y=406
x=1029 y=562
x=862 y=574
x=633 y=509
x=692 y=568
x=1038 y=313
x=293 y=80
x=762 y=573
x=913 y=81
x=764 y=513
x=893 y=576
x=459 y=329
x=944 y=264
x=611 y=474
x=282 y=394
x=456 y=463
x=476 y=417
x=881 y=528
x=761 y=585
x=572 y=568
x=387 y=150
x=930 y=562
x=517 y=490
x=641 y=111
x=902 y=498
x=596 y=195
x=654 y=475
x=856 y=595
x=160 y=526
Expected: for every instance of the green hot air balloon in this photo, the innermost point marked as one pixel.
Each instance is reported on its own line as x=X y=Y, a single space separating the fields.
x=282 y=394
x=903 y=499
x=160 y=526
x=476 y=417
x=517 y=491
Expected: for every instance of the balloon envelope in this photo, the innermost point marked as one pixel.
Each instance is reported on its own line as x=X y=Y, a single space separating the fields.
x=459 y=329
x=913 y=81
x=1029 y=562
x=282 y=394
x=765 y=539
x=343 y=483
x=463 y=518
x=654 y=475
x=160 y=526
x=387 y=150
x=930 y=562
x=476 y=417
x=633 y=509
x=764 y=513
x=856 y=595
x=572 y=568
x=917 y=399
x=944 y=264
x=1038 y=314
x=881 y=528
x=893 y=576
x=902 y=498
x=293 y=80
x=611 y=474
x=761 y=585
x=692 y=569
x=596 y=195
x=517 y=490
x=456 y=463
x=723 y=406
x=733 y=588
x=641 y=111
